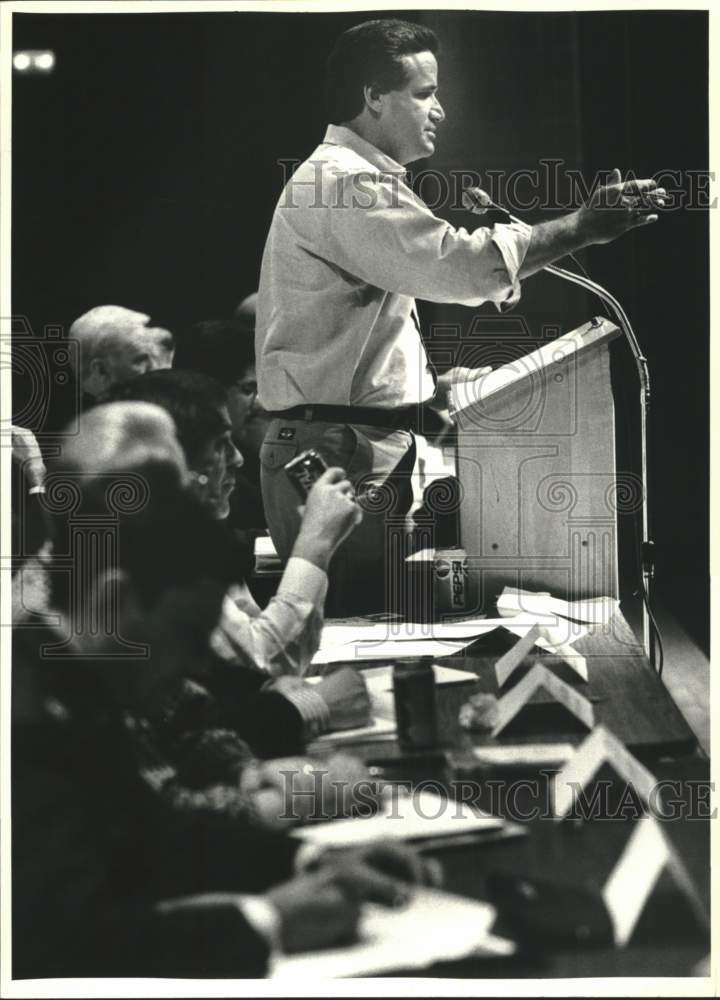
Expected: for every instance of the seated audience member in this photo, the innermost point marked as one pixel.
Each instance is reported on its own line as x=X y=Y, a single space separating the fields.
x=257 y=423
x=224 y=349
x=115 y=344
x=107 y=881
x=282 y=638
x=196 y=733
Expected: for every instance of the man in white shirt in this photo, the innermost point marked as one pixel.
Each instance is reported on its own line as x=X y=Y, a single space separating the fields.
x=339 y=358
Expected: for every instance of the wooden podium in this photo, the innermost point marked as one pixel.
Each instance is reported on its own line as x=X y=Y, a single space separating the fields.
x=539 y=487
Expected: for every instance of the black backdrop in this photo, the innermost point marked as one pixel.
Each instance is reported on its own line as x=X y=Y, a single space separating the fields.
x=146 y=168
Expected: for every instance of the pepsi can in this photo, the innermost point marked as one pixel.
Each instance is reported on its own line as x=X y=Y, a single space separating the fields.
x=450 y=580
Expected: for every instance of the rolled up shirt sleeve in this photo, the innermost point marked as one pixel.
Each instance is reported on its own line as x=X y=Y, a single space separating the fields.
x=284 y=637
x=388 y=237
x=512 y=240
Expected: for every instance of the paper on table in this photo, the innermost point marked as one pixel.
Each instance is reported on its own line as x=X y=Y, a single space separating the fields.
x=378 y=729
x=399 y=939
x=560 y=633
x=334 y=635
x=405 y=816
x=533 y=754
x=390 y=650
x=340 y=635
x=595 y=610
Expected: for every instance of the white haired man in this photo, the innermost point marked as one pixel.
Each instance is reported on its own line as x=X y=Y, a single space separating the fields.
x=115 y=344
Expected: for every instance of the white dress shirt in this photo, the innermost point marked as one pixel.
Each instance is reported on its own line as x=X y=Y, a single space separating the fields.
x=280 y=640
x=350 y=247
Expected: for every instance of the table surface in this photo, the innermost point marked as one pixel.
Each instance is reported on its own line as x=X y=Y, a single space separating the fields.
x=627 y=695
x=631 y=700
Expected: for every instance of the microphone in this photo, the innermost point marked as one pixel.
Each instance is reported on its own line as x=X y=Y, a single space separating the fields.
x=477 y=201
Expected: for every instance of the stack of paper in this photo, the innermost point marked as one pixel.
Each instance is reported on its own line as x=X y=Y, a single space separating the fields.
x=401 y=640
x=389 y=649
x=561 y=625
x=435 y=926
x=594 y=611
x=405 y=816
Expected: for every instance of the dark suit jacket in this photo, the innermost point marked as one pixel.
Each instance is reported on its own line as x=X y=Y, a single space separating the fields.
x=219 y=695
x=94 y=850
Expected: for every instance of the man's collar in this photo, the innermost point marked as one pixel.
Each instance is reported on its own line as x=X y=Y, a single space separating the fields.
x=338 y=135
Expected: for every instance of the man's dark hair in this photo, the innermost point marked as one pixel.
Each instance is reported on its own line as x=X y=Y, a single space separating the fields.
x=371 y=54
x=221 y=348
x=192 y=399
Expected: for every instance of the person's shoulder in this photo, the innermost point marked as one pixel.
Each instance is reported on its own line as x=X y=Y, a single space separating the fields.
x=344 y=160
x=331 y=164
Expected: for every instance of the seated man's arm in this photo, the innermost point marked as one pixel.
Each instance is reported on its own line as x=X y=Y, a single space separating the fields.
x=285 y=636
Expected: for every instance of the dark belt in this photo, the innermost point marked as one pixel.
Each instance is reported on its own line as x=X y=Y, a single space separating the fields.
x=400 y=419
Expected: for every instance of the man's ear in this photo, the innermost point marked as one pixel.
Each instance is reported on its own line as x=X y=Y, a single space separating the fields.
x=98 y=380
x=374 y=98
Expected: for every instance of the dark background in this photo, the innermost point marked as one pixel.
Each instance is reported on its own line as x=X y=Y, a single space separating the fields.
x=146 y=168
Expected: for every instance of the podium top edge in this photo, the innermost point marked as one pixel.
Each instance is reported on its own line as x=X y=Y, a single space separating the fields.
x=593 y=334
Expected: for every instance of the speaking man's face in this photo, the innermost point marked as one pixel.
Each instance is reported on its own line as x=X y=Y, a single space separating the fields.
x=412 y=114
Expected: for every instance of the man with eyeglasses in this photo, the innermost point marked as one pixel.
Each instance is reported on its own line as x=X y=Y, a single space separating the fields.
x=224 y=349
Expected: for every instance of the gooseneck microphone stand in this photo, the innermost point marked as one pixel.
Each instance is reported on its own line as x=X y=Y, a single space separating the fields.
x=479 y=202
x=647 y=546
